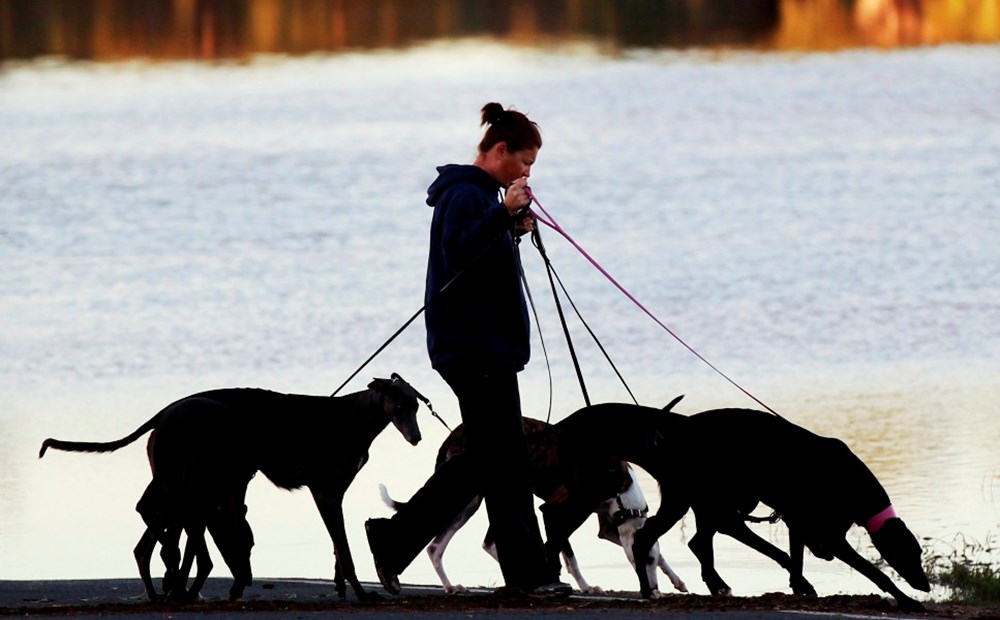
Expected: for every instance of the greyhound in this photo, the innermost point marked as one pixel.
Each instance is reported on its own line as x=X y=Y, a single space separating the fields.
x=722 y=463
x=208 y=446
x=622 y=512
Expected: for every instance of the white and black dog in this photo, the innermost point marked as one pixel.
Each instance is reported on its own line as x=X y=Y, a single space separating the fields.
x=621 y=510
x=722 y=463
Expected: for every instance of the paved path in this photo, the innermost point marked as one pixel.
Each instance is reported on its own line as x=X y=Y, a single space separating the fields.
x=309 y=599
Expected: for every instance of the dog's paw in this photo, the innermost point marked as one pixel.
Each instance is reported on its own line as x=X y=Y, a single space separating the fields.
x=802 y=587
x=456 y=589
x=911 y=606
x=679 y=585
x=593 y=590
x=655 y=594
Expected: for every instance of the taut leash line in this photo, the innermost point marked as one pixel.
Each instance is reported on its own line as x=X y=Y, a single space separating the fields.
x=549 y=221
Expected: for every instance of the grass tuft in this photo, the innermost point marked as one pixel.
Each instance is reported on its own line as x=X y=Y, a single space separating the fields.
x=969 y=571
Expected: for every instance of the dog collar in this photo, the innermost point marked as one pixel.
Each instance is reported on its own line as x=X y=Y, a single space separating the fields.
x=875 y=523
x=624 y=514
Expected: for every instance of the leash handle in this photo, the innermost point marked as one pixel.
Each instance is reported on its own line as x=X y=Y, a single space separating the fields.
x=550 y=221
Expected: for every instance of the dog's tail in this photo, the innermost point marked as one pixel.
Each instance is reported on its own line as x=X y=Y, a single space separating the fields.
x=102 y=446
x=388 y=501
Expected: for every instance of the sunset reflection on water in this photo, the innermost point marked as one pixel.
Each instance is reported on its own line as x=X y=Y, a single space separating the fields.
x=175 y=29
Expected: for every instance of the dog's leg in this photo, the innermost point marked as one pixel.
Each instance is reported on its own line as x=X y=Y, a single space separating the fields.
x=657 y=525
x=561 y=520
x=339 y=585
x=143 y=553
x=738 y=530
x=633 y=499
x=844 y=552
x=796 y=549
x=675 y=580
x=178 y=589
x=625 y=534
x=573 y=568
x=234 y=538
x=437 y=547
x=170 y=554
x=330 y=505
x=196 y=543
x=703 y=549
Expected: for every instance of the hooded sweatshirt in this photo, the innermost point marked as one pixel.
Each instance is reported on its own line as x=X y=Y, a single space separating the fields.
x=481 y=319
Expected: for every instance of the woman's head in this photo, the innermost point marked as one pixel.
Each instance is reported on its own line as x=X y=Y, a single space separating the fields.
x=510 y=145
x=508 y=126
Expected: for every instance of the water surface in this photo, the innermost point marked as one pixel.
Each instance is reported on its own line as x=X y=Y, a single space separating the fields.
x=822 y=227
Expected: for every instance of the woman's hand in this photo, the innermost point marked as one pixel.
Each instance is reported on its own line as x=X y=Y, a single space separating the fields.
x=524 y=225
x=517 y=196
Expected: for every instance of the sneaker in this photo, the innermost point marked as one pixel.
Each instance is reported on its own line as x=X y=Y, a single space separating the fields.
x=556 y=589
x=389 y=579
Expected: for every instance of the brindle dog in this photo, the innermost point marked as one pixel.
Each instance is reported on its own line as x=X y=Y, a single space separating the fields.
x=621 y=513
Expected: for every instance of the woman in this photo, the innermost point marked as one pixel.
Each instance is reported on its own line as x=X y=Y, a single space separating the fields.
x=478 y=340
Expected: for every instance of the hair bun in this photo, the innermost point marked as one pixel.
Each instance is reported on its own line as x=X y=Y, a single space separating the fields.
x=492 y=113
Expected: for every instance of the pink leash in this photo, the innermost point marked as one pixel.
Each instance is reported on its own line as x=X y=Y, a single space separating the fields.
x=550 y=221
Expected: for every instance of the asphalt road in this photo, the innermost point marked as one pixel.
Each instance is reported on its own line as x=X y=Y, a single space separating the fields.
x=307 y=599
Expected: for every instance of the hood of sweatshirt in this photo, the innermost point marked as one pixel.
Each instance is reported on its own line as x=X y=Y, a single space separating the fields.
x=450 y=175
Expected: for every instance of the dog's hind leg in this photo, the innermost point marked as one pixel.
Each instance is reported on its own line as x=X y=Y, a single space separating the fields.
x=234 y=539
x=675 y=580
x=561 y=520
x=573 y=568
x=170 y=554
x=737 y=529
x=339 y=585
x=143 y=553
x=703 y=549
x=437 y=547
x=197 y=549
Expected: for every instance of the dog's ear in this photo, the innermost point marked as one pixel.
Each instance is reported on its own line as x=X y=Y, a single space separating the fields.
x=671 y=404
x=379 y=385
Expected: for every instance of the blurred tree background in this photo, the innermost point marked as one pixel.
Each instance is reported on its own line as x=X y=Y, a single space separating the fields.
x=233 y=29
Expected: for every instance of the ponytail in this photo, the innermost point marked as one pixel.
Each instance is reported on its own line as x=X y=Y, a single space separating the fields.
x=508 y=126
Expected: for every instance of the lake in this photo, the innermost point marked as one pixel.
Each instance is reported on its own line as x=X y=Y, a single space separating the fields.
x=822 y=227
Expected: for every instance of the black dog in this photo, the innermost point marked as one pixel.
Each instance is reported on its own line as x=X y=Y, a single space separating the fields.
x=208 y=446
x=722 y=463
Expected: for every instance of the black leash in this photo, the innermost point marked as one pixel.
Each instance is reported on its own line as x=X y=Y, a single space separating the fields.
x=774 y=517
x=536 y=239
x=538 y=325
x=440 y=291
x=395 y=377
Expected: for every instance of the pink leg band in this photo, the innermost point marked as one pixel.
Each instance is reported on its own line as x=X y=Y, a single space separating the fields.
x=875 y=523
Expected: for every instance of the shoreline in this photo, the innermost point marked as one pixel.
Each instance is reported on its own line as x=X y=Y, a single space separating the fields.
x=313 y=598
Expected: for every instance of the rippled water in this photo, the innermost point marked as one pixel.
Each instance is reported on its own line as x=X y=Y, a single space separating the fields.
x=821 y=227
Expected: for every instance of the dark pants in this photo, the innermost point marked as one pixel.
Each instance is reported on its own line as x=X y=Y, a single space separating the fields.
x=494 y=464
